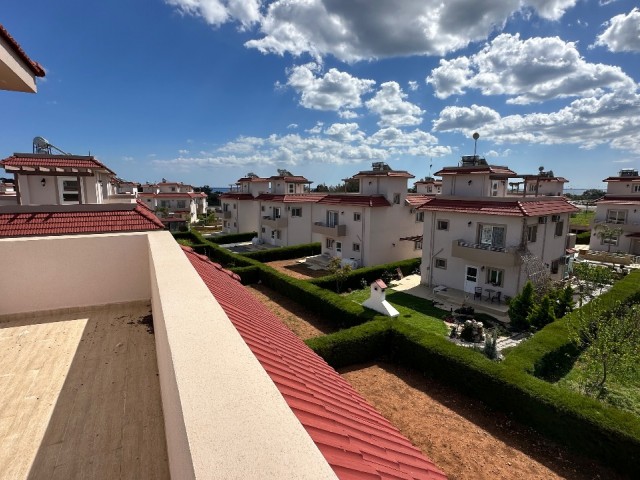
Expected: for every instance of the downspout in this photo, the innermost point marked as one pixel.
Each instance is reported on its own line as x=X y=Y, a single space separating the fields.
x=523 y=246
x=16 y=182
x=431 y=242
x=363 y=218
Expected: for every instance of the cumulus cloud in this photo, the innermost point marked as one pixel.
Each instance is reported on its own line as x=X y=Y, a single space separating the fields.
x=390 y=104
x=292 y=126
x=183 y=152
x=413 y=85
x=527 y=71
x=337 y=144
x=385 y=28
x=622 y=33
x=335 y=90
x=612 y=119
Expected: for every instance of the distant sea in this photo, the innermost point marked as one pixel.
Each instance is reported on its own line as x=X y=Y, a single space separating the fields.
x=220 y=189
x=575 y=191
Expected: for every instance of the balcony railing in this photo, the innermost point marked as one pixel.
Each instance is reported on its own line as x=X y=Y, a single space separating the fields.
x=484 y=254
x=275 y=222
x=627 y=227
x=331 y=231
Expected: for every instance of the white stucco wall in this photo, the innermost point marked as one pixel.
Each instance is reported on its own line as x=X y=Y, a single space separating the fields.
x=73 y=271
x=622 y=188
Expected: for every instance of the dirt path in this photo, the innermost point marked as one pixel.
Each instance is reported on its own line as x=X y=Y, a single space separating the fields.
x=299 y=320
x=297 y=270
x=461 y=435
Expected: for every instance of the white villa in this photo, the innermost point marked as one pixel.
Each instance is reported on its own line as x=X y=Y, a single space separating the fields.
x=173 y=202
x=429 y=186
x=619 y=209
x=481 y=240
x=8 y=195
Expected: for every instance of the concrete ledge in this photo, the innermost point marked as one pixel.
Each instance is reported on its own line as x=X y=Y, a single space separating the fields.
x=224 y=417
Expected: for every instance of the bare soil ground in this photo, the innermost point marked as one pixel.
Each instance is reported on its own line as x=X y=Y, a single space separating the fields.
x=304 y=323
x=461 y=435
x=297 y=270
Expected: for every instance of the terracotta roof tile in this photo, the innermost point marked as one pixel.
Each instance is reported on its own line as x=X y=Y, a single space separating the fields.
x=53 y=161
x=497 y=170
x=34 y=66
x=75 y=220
x=355 y=440
x=383 y=173
x=237 y=196
x=418 y=199
x=356 y=200
x=292 y=198
x=289 y=179
x=618 y=200
x=516 y=208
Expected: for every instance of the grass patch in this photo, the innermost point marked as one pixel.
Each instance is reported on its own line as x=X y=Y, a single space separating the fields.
x=414 y=311
x=582 y=218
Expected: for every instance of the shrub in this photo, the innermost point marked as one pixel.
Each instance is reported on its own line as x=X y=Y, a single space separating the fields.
x=233 y=238
x=248 y=275
x=520 y=306
x=583 y=238
x=284 y=253
x=542 y=313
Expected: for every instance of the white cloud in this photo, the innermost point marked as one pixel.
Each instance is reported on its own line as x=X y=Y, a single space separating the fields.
x=345 y=132
x=413 y=85
x=613 y=119
x=348 y=114
x=183 y=152
x=317 y=128
x=532 y=70
x=622 y=33
x=335 y=90
x=218 y=12
x=385 y=28
x=390 y=104
x=292 y=126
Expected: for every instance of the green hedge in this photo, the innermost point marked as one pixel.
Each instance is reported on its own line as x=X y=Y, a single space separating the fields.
x=248 y=275
x=284 y=253
x=232 y=238
x=369 y=274
x=359 y=344
x=583 y=238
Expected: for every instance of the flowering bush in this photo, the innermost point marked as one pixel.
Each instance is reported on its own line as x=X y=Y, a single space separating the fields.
x=472 y=331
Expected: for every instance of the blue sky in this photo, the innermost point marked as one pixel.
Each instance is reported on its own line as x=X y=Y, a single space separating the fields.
x=205 y=91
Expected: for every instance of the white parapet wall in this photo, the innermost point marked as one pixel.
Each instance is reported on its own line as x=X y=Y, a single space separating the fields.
x=224 y=417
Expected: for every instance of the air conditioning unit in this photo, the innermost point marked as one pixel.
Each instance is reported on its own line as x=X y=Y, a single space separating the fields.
x=555 y=218
x=412 y=210
x=542 y=219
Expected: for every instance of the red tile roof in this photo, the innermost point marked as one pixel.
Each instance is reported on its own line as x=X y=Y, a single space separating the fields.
x=252 y=179
x=383 y=173
x=292 y=198
x=516 y=208
x=39 y=160
x=289 y=179
x=630 y=179
x=496 y=170
x=35 y=67
x=618 y=200
x=42 y=220
x=417 y=199
x=237 y=196
x=172 y=194
x=354 y=438
x=356 y=200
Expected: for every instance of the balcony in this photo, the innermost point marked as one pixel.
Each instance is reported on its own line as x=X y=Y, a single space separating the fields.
x=226 y=215
x=275 y=222
x=334 y=231
x=627 y=227
x=482 y=254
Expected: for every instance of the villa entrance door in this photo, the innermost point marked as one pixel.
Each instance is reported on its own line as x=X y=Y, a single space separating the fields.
x=470 y=279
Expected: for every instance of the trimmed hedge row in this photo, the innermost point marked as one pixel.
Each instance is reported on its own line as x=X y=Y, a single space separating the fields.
x=551 y=349
x=284 y=253
x=248 y=275
x=232 y=238
x=358 y=344
x=369 y=274
x=583 y=238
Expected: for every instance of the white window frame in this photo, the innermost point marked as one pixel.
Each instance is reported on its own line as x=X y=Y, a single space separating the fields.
x=442 y=224
x=296 y=212
x=181 y=204
x=613 y=216
x=62 y=192
x=292 y=188
x=636 y=188
x=396 y=198
x=560 y=227
x=420 y=217
x=417 y=245
x=275 y=234
x=440 y=263
x=486 y=235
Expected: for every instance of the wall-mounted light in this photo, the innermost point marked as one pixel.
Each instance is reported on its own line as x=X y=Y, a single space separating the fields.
x=43 y=182
x=469 y=223
x=469 y=182
x=393 y=244
x=482 y=268
x=341 y=213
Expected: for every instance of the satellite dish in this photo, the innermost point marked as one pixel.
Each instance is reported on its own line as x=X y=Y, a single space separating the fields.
x=541 y=169
x=41 y=145
x=476 y=136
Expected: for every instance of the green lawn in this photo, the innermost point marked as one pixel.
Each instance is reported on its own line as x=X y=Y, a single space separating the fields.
x=414 y=311
x=582 y=218
x=624 y=395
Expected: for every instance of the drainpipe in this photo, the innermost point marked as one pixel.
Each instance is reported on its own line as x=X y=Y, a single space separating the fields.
x=362 y=218
x=431 y=254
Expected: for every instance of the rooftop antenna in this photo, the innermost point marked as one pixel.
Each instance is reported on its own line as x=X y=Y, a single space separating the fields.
x=476 y=136
x=42 y=145
x=430 y=166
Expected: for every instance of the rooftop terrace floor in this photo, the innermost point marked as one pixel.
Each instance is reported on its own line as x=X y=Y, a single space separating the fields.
x=80 y=396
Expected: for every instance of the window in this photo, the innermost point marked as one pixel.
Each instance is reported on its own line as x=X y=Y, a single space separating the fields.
x=173 y=189
x=276 y=212
x=329 y=243
x=225 y=224
x=338 y=246
x=618 y=217
x=443 y=224
x=262 y=230
x=429 y=189
x=69 y=190
x=182 y=204
x=636 y=188
x=225 y=207
x=542 y=220
x=417 y=245
x=559 y=229
x=275 y=234
x=532 y=233
x=555 y=218
x=492 y=235
x=261 y=208
x=555 y=265
x=532 y=187
x=420 y=217
x=396 y=198
x=441 y=263
x=296 y=212
x=495 y=277
x=613 y=241
x=356 y=217
x=291 y=188
x=164 y=203
x=234 y=206
x=356 y=247
x=332 y=218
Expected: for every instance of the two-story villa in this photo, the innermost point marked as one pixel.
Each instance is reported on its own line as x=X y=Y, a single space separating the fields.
x=429 y=186
x=478 y=238
x=8 y=193
x=173 y=201
x=619 y=209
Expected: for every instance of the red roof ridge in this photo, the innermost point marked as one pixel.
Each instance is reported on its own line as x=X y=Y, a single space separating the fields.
x=208 y=261
x=146 y=212
x=34 y=66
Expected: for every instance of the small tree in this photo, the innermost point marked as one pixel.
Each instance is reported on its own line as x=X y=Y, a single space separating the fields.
x=611 y=342
x=564 y=303
x=520 y=306
x=542 y=313
x=491 y=344
x=607 y=233
x=339 y=271
x=591 y=276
